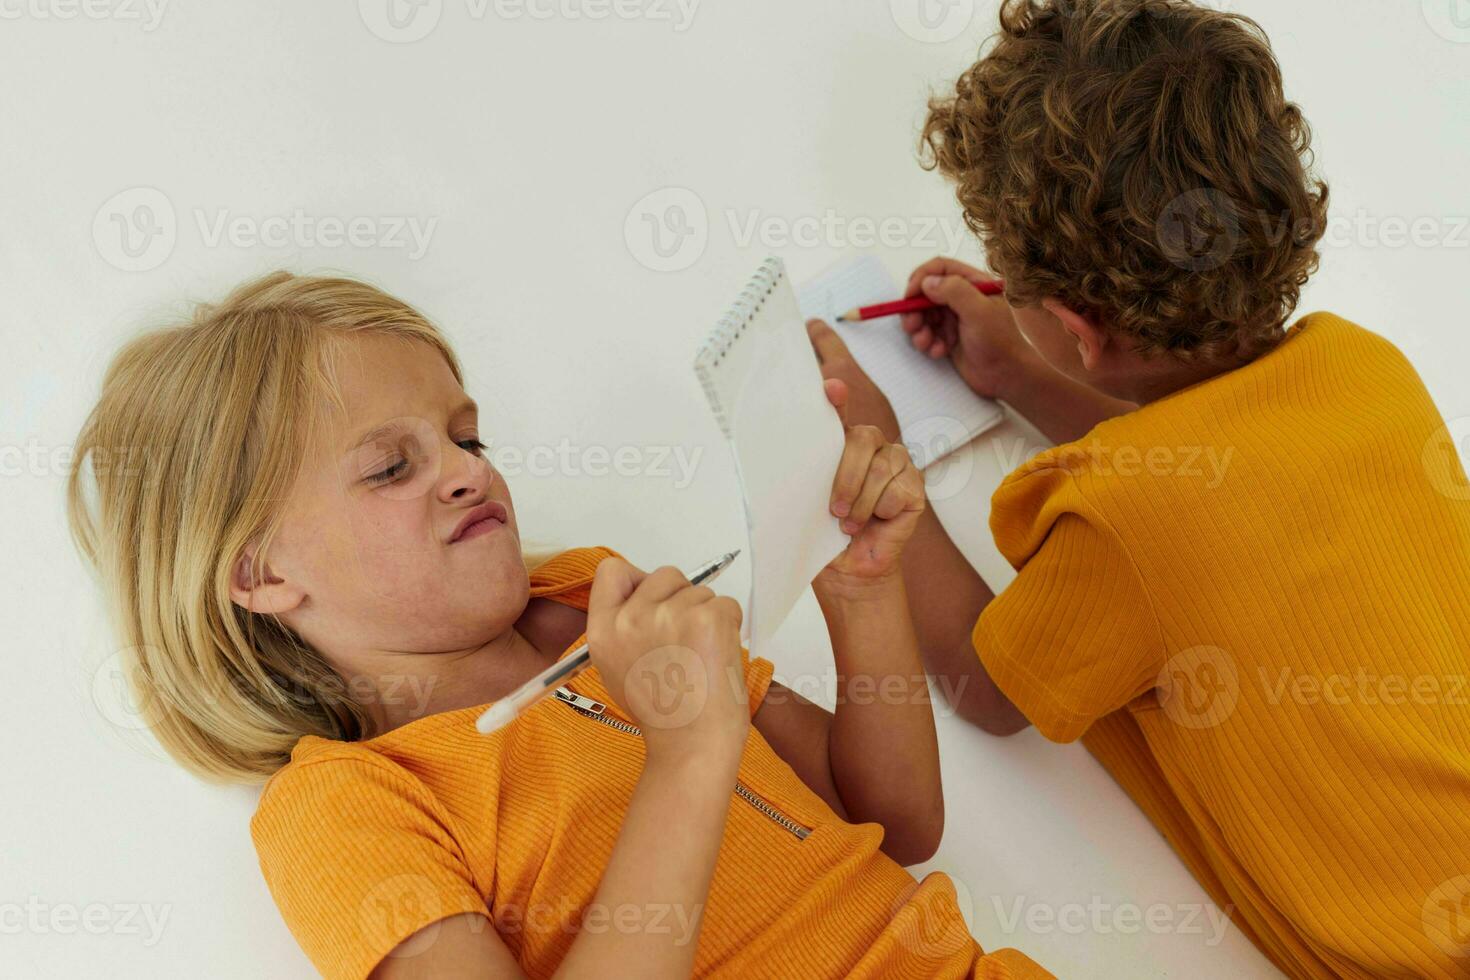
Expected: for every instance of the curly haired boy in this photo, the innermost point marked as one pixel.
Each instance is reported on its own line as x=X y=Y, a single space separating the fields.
x=1243 y=577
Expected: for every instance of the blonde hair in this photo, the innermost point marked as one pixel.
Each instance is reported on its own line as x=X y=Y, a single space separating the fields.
x=200 y=432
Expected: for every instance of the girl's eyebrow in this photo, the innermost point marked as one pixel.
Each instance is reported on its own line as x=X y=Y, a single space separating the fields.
x=468 y=405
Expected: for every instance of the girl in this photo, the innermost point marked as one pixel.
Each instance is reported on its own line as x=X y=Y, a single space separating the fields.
x=321 y=579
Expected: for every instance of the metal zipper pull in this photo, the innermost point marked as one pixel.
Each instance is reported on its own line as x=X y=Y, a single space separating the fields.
x=585 y=703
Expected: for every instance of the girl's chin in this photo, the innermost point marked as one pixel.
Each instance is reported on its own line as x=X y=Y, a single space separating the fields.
x=497 y=554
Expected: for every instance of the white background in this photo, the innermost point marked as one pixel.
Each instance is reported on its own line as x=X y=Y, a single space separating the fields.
x=528 y=134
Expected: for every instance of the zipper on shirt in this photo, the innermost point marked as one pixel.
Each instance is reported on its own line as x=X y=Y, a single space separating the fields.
x=577 y=700
x=595 y=710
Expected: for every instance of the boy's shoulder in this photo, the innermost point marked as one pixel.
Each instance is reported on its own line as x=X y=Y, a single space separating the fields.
x=1308 y=395
x=1325 y=337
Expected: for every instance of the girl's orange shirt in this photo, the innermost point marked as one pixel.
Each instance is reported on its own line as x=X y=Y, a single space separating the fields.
x=365 y=844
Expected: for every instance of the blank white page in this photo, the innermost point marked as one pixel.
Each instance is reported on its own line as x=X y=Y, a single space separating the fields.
x=936 y=410
x=787 y=440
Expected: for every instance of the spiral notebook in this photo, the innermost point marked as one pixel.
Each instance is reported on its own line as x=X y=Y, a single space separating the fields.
x=763 y=384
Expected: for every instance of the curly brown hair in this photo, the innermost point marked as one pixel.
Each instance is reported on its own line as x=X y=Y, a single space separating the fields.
x=1138 y=161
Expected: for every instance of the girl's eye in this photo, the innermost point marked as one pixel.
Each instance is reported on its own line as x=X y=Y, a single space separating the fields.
x=389 y=473
x=469 y=445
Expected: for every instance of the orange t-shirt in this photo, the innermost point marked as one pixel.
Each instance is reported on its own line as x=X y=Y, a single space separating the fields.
x=1251 y=600
x=365 y=843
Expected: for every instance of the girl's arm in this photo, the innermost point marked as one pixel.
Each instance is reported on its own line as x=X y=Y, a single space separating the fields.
x=659 y=873
x=883 y=749
x=660 y=869
x=876 y=758
x=947 y=593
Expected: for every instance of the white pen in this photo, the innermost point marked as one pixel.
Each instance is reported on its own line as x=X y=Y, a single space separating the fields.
x=504 y=711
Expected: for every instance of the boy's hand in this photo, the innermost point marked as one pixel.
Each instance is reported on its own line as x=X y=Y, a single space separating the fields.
x=977 y=332
x=866 y=405
x=878 y=494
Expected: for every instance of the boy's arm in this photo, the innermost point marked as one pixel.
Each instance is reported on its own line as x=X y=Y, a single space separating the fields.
x=946 y=596
x=979 y=335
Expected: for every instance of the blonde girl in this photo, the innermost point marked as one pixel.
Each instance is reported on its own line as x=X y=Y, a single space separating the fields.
x=320 y=579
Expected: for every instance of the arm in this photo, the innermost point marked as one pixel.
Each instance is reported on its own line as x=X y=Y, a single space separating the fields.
x=656 y=861
x=980 y=337
x=876 y=759
x=873 y=758
x=663 y=862
x=636 y=623
x=945 y=593
x=948 y=595
x=883 y=749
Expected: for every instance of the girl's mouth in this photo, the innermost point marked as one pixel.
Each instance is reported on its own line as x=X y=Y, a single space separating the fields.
x=481 y=527
x=481 y=521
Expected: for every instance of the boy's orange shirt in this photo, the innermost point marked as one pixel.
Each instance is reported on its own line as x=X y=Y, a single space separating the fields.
x=1251 y=600
x=363 y=844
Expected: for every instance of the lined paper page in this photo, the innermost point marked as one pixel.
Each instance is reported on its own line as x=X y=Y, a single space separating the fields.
x=936 y=410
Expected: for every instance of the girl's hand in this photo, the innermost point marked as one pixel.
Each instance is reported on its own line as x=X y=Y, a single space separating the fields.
x=878 y=494
x=669 y=654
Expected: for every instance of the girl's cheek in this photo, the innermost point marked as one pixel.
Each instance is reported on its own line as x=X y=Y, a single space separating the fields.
x=379 y=526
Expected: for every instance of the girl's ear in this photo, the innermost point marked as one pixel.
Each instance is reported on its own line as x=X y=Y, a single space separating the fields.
x=269 y=594
x=1092 y=339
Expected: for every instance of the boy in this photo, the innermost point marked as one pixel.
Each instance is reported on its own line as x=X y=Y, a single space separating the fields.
x=1244 y=575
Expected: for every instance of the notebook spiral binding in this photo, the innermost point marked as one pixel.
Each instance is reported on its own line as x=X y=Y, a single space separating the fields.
x=729 y=329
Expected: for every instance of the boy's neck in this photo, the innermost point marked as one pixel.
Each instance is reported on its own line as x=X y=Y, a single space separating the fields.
x=1141 y=379
x=1151 y=386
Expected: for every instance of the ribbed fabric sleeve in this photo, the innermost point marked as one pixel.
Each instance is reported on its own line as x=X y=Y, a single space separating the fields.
x=358 y=857
x=1073 y=637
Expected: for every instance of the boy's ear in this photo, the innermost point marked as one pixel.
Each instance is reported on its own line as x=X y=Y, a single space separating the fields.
x=1091 y=338
x=268 y=594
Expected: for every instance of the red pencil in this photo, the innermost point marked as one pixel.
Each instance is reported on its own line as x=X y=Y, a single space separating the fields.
x=915 y=305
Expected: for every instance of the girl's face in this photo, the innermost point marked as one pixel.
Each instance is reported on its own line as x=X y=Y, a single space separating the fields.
x=367 y=562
